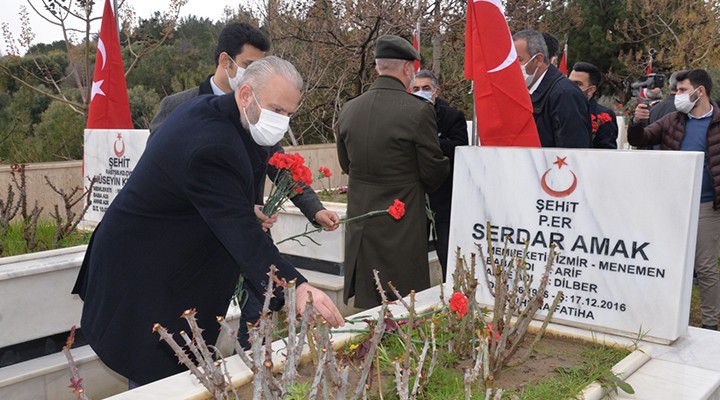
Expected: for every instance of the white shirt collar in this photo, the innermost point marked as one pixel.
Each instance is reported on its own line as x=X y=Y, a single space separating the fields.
x=534 y=87
x=216 y=90
x=709 y=113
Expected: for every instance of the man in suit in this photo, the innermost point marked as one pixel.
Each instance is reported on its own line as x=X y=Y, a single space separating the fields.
x=560 y=109
x=183 y=228
x=238 y=46
x=604 y=127
x=452 y=132
x=387 y=144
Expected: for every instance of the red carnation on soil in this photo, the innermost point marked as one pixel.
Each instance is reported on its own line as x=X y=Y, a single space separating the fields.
x=458 y=303
x=397 y=209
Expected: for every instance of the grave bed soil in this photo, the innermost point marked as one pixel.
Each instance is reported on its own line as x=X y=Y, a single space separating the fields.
x=550 y=355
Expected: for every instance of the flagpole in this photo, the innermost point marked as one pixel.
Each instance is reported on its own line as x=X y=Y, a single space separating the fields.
x=117 y=19
x=475 y=137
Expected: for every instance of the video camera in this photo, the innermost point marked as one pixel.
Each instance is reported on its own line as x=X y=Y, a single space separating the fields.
x=650 y=81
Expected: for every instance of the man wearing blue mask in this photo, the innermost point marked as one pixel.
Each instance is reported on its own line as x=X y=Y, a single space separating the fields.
x=452 y=132
x=183 y=228
x=694 y=127
x=560 y=109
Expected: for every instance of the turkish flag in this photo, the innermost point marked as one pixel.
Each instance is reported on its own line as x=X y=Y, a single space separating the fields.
x=416 y=45
x=563 y=62
x=109 y=105
x=643 y=91
x=502 y=102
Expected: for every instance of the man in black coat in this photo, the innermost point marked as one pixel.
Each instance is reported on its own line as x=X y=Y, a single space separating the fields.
x=452 y=132
x=238 y=46
x=604 y=123
x=560 y=109
x=183 y=228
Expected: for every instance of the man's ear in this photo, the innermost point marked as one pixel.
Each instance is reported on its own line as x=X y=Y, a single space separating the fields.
x=245 y=95
x=224 y=60
x=540 y=58
x=592 y=91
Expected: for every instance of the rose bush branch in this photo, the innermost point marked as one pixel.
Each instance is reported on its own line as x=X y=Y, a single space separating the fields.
x=75 y=379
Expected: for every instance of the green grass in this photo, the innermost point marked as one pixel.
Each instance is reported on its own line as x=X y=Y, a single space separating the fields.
x=334 y=197
x=447 y=379
x=14 y=243
x=597 y=363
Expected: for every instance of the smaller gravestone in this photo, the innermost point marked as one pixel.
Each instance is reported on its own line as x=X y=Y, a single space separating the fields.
x=624 y=224
x=110 y=155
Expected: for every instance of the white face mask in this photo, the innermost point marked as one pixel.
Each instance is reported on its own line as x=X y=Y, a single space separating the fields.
x=683 y=102
x=528 y=78
x=235 y=81
x=269 y=128
x=424 y=94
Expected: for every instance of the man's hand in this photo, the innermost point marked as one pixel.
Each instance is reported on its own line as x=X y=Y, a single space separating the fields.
x=267 y=222
x=322 y=303
x=642 y=112
x=328 y=219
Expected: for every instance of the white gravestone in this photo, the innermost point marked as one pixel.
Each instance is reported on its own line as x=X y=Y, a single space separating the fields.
x=625 y=225
x=110 y=155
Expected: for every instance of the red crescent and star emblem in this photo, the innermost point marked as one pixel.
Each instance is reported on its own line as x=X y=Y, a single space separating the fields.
x=499 y=55
x=121 y=152
x=560 y=162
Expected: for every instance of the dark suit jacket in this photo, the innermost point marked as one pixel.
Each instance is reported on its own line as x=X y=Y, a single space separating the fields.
x=307 y=201
x=387 y=143
x=176 y=237
x=561 y=112
x=452 y=132
x=607 y=133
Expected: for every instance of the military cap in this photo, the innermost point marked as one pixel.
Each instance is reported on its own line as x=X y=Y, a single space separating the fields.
x=391 y=46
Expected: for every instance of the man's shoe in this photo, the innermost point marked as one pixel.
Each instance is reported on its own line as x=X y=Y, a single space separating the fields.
x=710 y=327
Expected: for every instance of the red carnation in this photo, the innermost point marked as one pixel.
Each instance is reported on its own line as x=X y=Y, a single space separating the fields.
x=491 y=331
x=458 y=303
x=604 y=117
x=397 y=209
x=325 y=172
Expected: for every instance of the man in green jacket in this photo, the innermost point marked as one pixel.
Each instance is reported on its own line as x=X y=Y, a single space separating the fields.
x=387 y=144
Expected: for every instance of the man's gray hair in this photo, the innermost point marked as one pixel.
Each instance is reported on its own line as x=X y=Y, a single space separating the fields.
x=424 y=73
x=259 y=73
x=385 y=65
x=535 y=43
x=673 y=80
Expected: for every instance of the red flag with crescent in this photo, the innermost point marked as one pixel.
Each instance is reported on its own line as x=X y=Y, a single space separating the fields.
x=109 y=105
x=644 y=91
x=563 y=61
x=502 y=102
x=416 y=45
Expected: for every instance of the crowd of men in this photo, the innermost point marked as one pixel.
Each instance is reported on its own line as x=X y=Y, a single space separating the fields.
x=188 y=222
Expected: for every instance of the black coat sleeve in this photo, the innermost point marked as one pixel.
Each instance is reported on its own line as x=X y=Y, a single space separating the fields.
x=218 y=182
x=607 y=133
x=453 y=130
x=570 y=118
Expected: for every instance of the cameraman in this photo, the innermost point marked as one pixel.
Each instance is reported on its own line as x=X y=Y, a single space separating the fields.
x=666 y=106
x=694 y=127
